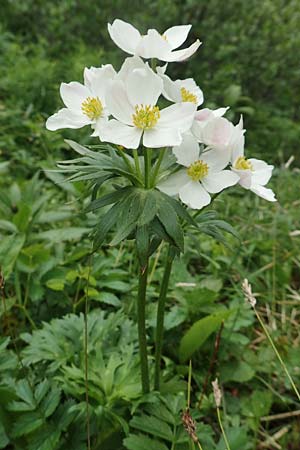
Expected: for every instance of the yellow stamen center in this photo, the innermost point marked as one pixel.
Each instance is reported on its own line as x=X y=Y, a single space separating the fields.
x=197 y=170
x=145 y=116
x=243 y=164
x=92 y=107
x=187 y=96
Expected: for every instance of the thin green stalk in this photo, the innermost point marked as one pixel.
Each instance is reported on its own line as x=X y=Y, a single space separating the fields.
x=157 y=165
x=137 y=163
x=147 y=159
x=189 y=385
x=141 y=314
x=277 y=353
x=161 y=313
x=222 y=429
x=86 y=360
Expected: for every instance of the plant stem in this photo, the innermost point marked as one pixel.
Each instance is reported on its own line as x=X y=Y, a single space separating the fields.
x=137 y=163
x=161 y=313
x=157 y=165
x=147 y=158
x=141 y=313
x=277 y=354
x=222 y=429
x=125 y=159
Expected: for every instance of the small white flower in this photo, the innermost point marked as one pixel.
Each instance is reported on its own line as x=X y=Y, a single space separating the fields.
x=181 y=90
x=153 y=44
x=133 y=104
x=204 y=174
x=249 y=296
x=85 y=104
x=254 y=173
x=217 y=392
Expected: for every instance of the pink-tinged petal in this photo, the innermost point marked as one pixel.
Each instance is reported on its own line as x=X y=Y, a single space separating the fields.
x=216 y=182
x=73 y=94
x=124 y=35
x=182 y=55
x=177 y=35
x=174 y=183
x=216 y=160
x=65 y=118
x=194 y=195
x=217 y=133
x=120 y=134
x=117 y=102
x=153 y=45
x=266 y=194
x=179 y=116
x=130 y=63
x=161 y=137
x=188 y=151
x=143 y=87
x=97 y=79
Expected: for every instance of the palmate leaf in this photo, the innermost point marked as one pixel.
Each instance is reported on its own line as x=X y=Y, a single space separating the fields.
x=169 y=219
x=142 y=442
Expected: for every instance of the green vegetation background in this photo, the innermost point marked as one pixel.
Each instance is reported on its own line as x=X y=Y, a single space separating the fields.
x=249 y=60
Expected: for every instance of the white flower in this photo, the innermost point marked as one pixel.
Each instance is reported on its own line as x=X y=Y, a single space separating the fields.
x=254 y=175
x=203 y=174
x=181 y=90
x=153 y=44
x=133 y=104
x=85 y=104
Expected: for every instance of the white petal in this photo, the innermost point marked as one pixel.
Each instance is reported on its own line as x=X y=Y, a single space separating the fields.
x=194 y=195
x=143 y=87
x=131 y=63
x=245 y=177
x=73 y=94
x=259 y=164
x=97 y=79
x=124 y=35
x=153 y=45
x=171 y=90
x=262 y=177
x=264 y=193
x=161 y=137
x=174 y=182
x=181 y=55
x=120 y=134
x=188 y=151
x=65 y=118
x=216 y=160
x=179 y=116
x=177 y=35
x=216 y=182
x=117 y=102
x=98 y=125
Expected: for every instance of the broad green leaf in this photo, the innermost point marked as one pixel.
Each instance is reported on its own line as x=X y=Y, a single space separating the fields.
x=4 y=440
x=6 y=225
x=141 y=442
x=10 y=247
x=238 y=371
x=152 y=425
x=199 y=332
x=169 y=220
x=108 y=199
x=106 y=223
x=63 y=234
x=26 y=424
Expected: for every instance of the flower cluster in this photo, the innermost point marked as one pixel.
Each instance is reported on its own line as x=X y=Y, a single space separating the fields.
x=142 y=106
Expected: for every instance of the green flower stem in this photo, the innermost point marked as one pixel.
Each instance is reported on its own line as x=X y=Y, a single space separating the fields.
x=160 y=315
x=147 y=158
x=222 y=429
x=157 y=165
x=141 y=313
x=137 y=163
x=277 y=354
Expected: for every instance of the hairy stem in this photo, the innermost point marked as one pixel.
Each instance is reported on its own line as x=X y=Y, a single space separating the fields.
x=161 y=314
x=141 y=314
x=157 y=165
